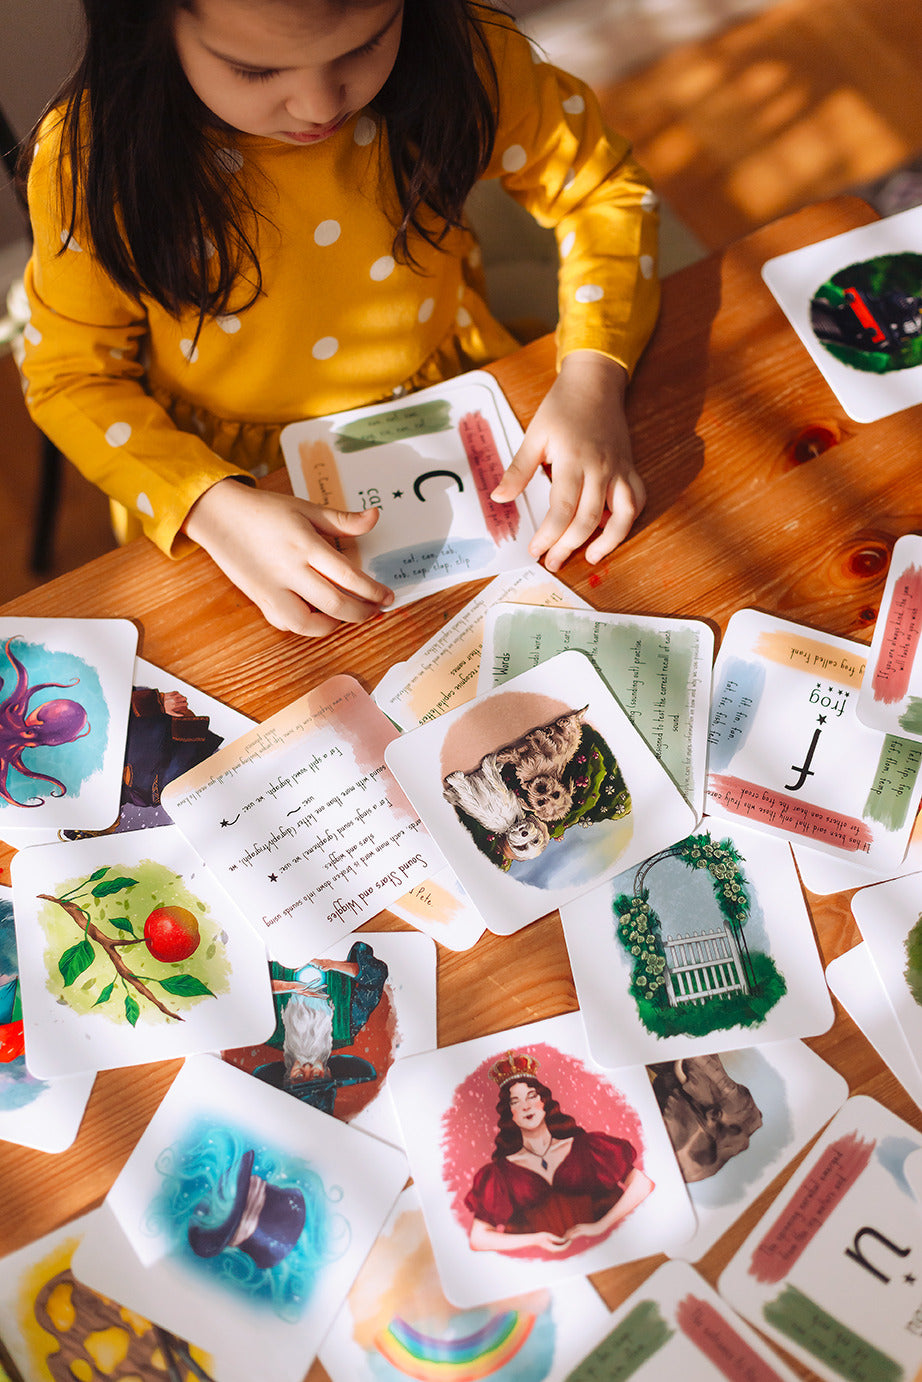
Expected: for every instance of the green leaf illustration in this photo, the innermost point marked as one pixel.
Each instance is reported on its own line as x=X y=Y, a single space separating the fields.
x=75 y=960
x=184 y=986
x=122 y=924
x=114 y=885
x=100 y=873
x=105 y=995
x=132 y=1010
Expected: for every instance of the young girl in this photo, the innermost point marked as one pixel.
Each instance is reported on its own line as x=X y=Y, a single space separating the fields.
x=248 y=212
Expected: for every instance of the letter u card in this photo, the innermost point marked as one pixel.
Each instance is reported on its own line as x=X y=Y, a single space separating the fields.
x=833 y=1272
x=428 y=464
x=788 y=753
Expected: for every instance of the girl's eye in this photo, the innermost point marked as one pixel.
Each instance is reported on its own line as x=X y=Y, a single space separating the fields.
x=366 y=48
x=252 y=74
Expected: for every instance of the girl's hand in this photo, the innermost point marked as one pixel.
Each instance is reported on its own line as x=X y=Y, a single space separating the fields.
x=273 y=549
x=580 y=430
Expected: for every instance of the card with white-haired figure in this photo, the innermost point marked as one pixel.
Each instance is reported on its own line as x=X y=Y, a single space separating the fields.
x=538 y=791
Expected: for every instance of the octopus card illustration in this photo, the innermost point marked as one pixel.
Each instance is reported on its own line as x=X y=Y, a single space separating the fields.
x=533 y=1164
x=64 y=693
x=243 y=1216
x=397 y=1323
x=889 y=917
x=707 y=943
x=855 y=301
x=131 y=952
x=443 y=673
x=890 y=696
x=55 y=1327
x=43 y=1114
x=659 y=669
x=302 y=822
x=788 y=754
x=832 y=1271
x=676 y=1325
x=538 y=790
x=443 y=451
x=735 y=1119
x=854 y=980
x=341 y=1021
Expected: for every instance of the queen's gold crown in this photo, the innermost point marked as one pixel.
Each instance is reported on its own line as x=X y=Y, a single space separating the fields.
x=514 y=1065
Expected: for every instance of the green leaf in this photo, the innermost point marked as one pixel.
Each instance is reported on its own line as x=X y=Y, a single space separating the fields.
x=122 y=924
x=132 y=1011
x=100 y=873
x=105 y=995
x=184 y=986
x=75 y=960
x=114 y=885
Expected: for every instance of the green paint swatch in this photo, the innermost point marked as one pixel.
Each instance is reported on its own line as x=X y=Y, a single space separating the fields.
x=911 y=718
x=828 y=1339
x=417 y=420
x=897 y=768
x=637 y=1338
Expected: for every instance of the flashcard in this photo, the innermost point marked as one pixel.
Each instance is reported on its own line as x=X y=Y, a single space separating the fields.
x=707 y=944
x=832 y=1272
x=890 y=697
x=502 y=782
x=889 y=917
x=855 y=301
x=397 y=1322
x=129 y=952
x=66 y=686
x=443 y=673
x=442 y=910
x=787 y=752
x=54 y=1327
x=659 y=670
x=676 y=1325
x=341 y=1021
x=243 y=1216
x=43 y=1114
x=303 y=823
x=736 y=1119
x=854 y=980
x=823 y=874
x=533 y=1164
x=443 y=451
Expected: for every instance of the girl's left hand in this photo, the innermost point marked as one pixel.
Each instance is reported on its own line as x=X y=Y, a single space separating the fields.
x=580 y=430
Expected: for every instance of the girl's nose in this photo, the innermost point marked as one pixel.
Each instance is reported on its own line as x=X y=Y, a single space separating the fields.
x=317 y=99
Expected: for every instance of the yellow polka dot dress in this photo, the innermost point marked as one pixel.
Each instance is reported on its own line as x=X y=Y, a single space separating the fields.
x=155 y=417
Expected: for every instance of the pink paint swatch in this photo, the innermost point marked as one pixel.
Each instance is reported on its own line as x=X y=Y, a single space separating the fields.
x=901 y=639
x=712 y=1333
x=502 y=520
x=789 y=813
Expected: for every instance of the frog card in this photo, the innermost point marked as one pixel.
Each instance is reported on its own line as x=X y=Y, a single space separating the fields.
x=833 y=1271
x=788 y=754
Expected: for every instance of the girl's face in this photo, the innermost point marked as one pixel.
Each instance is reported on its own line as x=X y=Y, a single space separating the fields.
x=292 y=70
x=526 y=1107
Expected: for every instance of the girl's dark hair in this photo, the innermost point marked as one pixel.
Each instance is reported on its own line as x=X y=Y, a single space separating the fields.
x=165 y=218
x=509 y=1137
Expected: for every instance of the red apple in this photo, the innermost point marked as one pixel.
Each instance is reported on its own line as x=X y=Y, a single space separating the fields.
x=171 y=934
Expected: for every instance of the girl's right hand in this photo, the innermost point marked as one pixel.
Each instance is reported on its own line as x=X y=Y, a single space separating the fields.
x=272 y=547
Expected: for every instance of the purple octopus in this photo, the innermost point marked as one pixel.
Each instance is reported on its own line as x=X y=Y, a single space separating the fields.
x=54 y=722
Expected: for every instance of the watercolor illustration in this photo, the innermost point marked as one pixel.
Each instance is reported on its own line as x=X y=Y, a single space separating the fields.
x=693 y=970
x=17 y=1086
x=550 y=1188
x=869 y=315
x=913 y=970
x=132 y=945
x=335 y=1032
x=258 y=1221
x=710 y=1117
x=530 y=791
x=30 y=727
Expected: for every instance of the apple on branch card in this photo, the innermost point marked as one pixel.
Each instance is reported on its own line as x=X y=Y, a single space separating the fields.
x=42 y=1114
x=736 y=1118
x=788 y=754
x=833 y=1271
x=428 y=464
x=303 y=823
x=708 y=943
x=54 y=1327
x=676 y=1325
x=659 y=670
x=65 y=686
x=854 y=980
x=241 y=1219
x=533 y=1164
x=397 y=1323
x=129 y=952
x=855 y=301
x=889 y=917
x=342 y=1019
x=442 y=674
x=539 y=790
x=890 y=697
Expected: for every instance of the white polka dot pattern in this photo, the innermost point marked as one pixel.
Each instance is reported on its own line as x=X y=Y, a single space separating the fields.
x=647 y=267
x=189 y=350
x=365 y=130
x=143 y=505
x=589 y=292
x=118 y=433
x=229 y=325
x=567 y=243
x=574 y=105
x=382 y=268
x=426 y=309
x=514 y=158
x=327 y=233
x=325 y=348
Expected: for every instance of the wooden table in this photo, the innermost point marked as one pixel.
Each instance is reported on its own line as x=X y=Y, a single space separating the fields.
x=761 y=493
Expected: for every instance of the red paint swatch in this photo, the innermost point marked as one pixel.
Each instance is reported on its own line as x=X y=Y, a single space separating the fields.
x=768 y=807
x=712 y=1333
x=901 y=639
x=502 y=520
